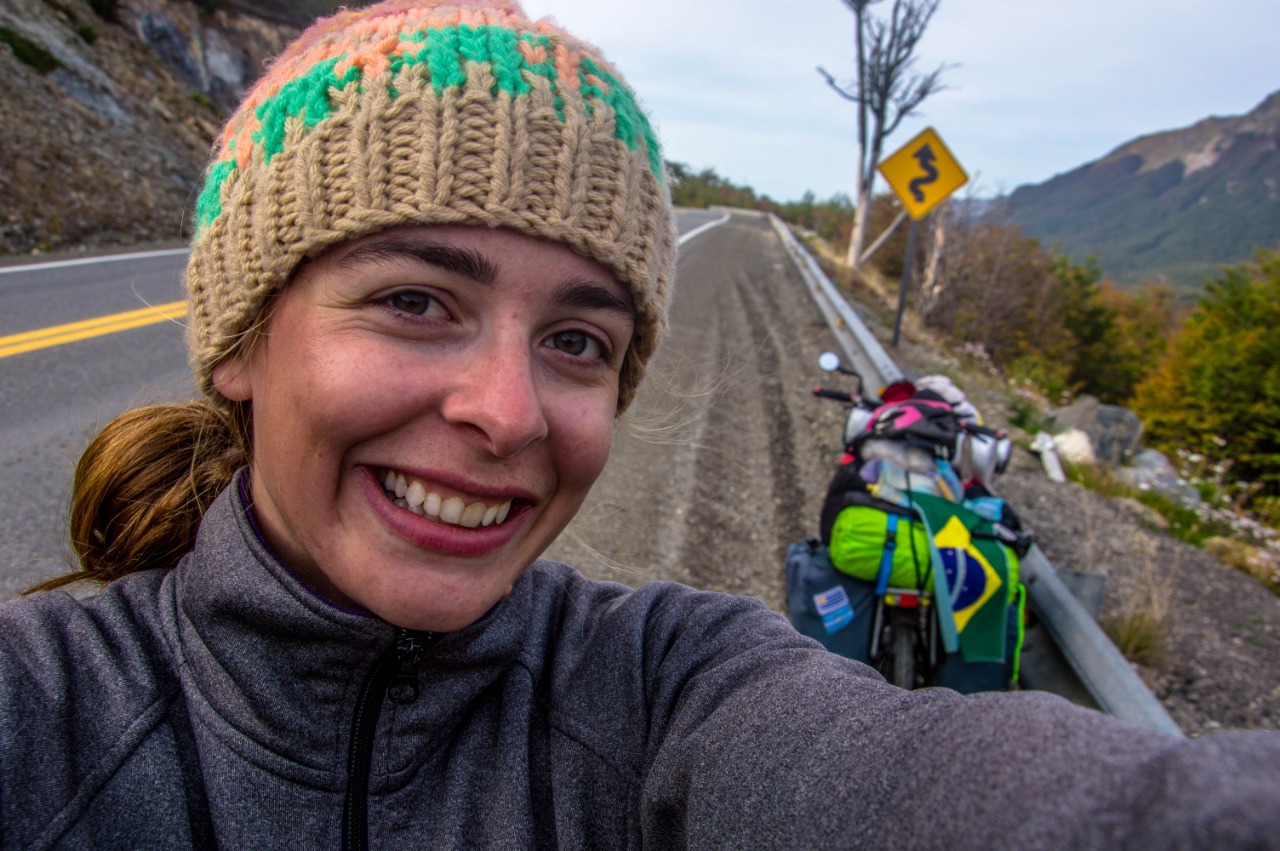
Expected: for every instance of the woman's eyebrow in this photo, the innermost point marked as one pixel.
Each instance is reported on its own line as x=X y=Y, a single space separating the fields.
x=460 y=261
x=591 y=295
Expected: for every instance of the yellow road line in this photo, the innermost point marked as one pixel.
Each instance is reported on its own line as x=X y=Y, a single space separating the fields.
x=29 y=341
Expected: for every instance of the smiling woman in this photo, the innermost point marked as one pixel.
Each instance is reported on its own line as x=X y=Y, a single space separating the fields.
x=434 y=258
x=512 y=344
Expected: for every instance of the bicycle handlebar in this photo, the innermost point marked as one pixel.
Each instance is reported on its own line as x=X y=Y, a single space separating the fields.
x=839 y=395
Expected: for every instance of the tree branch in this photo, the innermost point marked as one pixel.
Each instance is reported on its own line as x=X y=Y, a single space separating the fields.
x=831 y=81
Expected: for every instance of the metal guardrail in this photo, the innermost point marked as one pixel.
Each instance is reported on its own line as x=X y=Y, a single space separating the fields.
x=1094 y=659
x=861 y=347
x=1101 y=667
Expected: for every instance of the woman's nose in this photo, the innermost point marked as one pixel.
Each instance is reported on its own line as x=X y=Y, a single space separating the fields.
x=498 y=396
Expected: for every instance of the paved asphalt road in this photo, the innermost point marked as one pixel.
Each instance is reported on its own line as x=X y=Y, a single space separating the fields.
x=54 y=399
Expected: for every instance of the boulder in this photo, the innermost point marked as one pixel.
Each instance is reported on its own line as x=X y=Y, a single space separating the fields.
x=1115 y=433
x=1151 y=470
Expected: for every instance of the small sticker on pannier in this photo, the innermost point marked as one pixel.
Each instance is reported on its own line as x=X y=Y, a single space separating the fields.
x=833 y=606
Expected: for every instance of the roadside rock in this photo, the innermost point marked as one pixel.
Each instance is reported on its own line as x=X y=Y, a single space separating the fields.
x=107 y=147
x=1114 y=432
x=1151 y=470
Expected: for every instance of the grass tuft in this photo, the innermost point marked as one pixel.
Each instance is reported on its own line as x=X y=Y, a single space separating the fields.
x=1139 y=635
x=1140 y=626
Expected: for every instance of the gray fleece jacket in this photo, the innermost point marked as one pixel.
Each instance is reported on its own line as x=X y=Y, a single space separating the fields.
x=222 y=703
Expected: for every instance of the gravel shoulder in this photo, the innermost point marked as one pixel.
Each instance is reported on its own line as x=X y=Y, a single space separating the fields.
x=724 y=460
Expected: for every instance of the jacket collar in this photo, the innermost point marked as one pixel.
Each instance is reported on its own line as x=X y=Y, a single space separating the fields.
x=277 y=663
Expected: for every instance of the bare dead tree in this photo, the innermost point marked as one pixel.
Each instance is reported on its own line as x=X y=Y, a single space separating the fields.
x=886 y=91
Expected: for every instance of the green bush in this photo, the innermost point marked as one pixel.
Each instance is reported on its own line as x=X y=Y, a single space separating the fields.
x=28 y=52
x=1026 y=415
x=1216 y=392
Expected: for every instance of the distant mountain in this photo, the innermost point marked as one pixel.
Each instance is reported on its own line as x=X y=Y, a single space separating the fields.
x=1173 y=206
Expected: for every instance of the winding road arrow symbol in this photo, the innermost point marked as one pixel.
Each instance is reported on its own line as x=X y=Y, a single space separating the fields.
x=926 y=158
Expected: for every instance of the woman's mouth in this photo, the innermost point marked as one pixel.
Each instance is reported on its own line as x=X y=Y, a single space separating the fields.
x=412 y=494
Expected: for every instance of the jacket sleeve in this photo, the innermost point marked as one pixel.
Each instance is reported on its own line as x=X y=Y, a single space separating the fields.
x=83 y=692
x=769 y=741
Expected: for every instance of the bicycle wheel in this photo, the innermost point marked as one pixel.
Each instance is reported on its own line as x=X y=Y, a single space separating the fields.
x=903 y=667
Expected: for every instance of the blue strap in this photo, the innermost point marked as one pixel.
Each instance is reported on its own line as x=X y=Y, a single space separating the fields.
x=886 y=556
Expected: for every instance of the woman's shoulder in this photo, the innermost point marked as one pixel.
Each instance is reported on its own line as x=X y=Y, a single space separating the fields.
x=84 y=686
x=63 y=647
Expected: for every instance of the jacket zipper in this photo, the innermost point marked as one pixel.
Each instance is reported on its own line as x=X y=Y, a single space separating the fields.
x=394 y=676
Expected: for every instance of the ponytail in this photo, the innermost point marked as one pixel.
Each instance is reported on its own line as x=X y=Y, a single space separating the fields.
x=143 y=484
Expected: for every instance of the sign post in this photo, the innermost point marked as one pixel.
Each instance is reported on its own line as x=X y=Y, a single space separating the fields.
x=923 y=174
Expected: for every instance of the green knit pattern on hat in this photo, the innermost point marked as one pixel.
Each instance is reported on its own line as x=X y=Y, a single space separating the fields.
x=444 y=57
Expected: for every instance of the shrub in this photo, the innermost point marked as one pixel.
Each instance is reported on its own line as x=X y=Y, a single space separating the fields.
x=1139 y=635
x=28 y=52
x=1216 y=392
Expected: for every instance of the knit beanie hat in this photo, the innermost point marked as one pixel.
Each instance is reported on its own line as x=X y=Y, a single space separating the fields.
x=419 y=112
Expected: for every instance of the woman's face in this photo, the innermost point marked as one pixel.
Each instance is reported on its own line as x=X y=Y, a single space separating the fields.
x=430 y=407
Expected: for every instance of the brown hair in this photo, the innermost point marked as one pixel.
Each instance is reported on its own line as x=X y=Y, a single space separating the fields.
x=143 y=484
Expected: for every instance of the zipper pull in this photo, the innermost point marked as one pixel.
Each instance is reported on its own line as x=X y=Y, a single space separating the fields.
x=403 y=688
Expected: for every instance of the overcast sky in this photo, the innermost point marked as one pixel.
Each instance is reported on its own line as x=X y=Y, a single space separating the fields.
x=1038 y=87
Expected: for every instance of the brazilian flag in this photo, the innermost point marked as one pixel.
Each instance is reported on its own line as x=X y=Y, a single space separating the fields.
x=971 y=578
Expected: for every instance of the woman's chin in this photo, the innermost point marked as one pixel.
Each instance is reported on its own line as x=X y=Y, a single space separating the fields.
x=432 y=608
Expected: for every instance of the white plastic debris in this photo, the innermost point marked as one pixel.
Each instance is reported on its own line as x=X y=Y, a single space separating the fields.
x=1044 y=446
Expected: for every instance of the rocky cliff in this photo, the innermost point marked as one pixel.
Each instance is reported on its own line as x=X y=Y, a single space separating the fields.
x=109 y=111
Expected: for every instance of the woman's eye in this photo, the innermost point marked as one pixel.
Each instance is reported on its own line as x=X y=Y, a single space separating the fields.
x=415 y=303
x=578 y=344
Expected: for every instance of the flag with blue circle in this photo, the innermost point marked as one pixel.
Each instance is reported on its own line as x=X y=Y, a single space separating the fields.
x=971 y=578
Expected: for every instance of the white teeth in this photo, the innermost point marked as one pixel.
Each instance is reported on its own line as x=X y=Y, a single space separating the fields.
x=473 y=515
x=413 y=495
x=451 y=510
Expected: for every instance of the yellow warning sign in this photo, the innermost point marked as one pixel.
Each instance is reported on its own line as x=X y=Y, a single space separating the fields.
x=923 y=173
